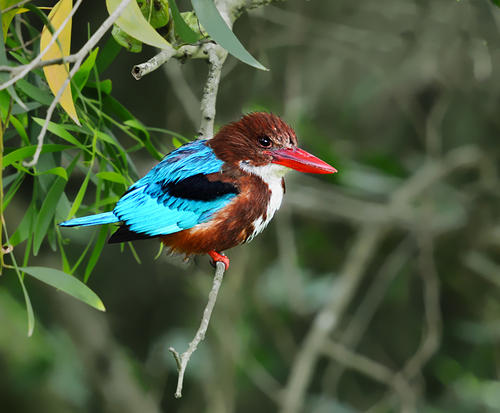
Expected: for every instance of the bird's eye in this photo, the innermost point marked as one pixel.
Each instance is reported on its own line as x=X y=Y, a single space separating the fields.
x=265 y=141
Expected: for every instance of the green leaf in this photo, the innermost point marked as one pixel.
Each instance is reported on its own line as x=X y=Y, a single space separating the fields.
x=47 y=212
x=83 y=73
x=59 y=130
x=110 y=50
x=104 y=85
x=133 y=22
x=79 y=196
x=29 y=307
x=28 y=151
x=176 y=143
x=20 y=129
x=59 y=171
x=66 y=283
x=96 y=253
x=112 y=177
x=12 y=190
x=218 y=30
x=25 y=228
x=34 y=92
x=185 y=32
x=113 y=106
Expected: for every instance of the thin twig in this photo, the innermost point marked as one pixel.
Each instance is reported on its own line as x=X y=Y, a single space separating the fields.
x=86 y=48
x=15 y=6
x=57 y=61
x=24 y=70
x=190 y=51
x=183 y=359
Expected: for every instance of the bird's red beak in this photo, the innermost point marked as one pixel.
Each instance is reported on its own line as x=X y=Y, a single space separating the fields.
x=300 y=160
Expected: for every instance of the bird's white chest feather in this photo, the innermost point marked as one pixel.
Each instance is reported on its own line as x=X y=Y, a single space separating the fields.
x=272 y=175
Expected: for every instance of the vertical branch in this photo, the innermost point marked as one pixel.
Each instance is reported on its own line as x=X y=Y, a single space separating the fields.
x=216 y=57
x=183 y=359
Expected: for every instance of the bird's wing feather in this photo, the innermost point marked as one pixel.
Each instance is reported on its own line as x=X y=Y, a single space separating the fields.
x=176 y=194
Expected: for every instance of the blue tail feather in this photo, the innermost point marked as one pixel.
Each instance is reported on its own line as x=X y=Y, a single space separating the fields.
x=99 y=219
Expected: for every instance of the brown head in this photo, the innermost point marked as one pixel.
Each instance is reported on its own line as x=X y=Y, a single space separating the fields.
x=260 y=139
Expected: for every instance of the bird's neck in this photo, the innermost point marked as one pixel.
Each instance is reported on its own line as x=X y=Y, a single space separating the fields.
x=272 y=177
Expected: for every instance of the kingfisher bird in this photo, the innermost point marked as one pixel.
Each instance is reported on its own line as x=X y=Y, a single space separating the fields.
x=210 y=195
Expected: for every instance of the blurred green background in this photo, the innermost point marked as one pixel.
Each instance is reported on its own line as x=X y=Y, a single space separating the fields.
x=401 y=248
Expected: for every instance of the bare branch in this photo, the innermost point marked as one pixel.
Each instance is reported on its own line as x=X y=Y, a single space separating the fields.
x=183 y=359
x=190 y=51
x=216 y=56
x=86 y=48
x=15 y=6
x=230 y=10
x=24 y=70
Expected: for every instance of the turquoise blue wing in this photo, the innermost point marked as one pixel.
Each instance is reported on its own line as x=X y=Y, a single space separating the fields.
x=176 y=194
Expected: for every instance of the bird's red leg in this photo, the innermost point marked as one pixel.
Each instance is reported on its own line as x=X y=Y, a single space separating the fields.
x=216 y=257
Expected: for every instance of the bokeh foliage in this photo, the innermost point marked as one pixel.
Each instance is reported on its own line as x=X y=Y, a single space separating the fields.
x=379 y=90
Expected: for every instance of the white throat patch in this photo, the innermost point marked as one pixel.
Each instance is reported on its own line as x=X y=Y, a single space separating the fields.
x=272 y=175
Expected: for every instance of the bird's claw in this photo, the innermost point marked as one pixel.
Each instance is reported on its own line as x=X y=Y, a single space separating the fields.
x=218 y=257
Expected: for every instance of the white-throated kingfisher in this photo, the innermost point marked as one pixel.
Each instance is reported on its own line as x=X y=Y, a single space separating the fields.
x=210 y=195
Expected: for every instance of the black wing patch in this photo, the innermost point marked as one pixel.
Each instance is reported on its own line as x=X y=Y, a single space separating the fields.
x=199 y=188
x=123 y=234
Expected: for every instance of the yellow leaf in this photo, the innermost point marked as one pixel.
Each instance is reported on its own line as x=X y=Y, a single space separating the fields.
x=7 y=19
x=133 y=23
x=57 y=74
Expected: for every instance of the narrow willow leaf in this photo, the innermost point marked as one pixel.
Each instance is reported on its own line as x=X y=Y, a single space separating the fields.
x=96 y=253
x=66 y=283
x=105 y=86
x=218 y=30
x=7 y=18
x=182 y=29
x=25 y=228
x=134 y=252
x=112 y=177
x=81 y=77
x=133 y=22
x=47 y=212
x=58 y=170
x=64 y=257
x=29 y=307
x=176 y=143
x=40 y=95
x=57 y=74
x=106 y=138
x=12 y=190
x=79 y=196
x=20 y=129
x=82 y=256
x=28 y=151
x=109 y=51
x=59 y=130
